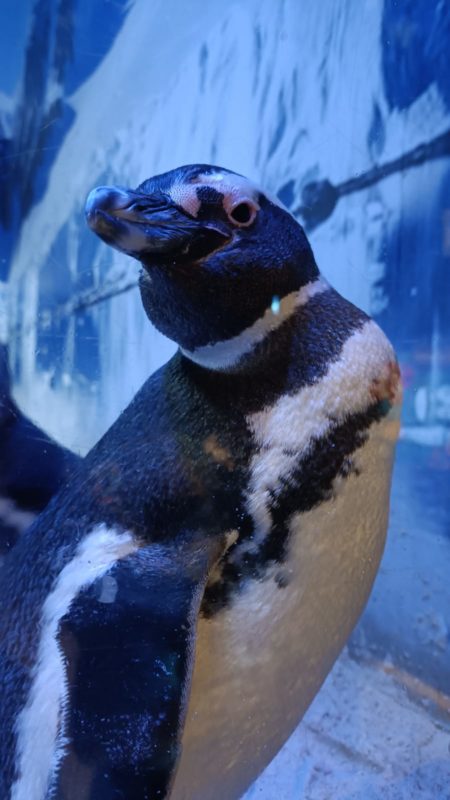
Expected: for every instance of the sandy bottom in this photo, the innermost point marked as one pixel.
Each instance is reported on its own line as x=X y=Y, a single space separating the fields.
x=371 y=734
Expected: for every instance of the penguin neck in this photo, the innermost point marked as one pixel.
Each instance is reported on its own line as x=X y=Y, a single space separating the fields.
x=296 y=353
x=247 y=349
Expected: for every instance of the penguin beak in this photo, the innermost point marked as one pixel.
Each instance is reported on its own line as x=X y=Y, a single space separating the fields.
x=149 y=227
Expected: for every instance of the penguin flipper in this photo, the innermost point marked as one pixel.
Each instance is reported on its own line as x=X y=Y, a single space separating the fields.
x=129 y=643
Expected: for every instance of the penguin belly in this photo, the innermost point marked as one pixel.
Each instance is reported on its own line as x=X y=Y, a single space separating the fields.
x=261 y=660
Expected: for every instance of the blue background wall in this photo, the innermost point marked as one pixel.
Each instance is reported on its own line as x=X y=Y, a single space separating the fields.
x=319 y=102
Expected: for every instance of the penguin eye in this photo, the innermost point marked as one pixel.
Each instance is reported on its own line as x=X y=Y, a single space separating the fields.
x=242 y=214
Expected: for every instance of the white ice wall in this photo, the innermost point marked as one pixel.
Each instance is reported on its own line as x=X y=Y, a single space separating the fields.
x=276 y=90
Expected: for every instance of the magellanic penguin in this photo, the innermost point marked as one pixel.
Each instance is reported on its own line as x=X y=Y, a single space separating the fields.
x=171 y=614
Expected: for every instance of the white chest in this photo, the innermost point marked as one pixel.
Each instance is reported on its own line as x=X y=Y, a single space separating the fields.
x=261 y=660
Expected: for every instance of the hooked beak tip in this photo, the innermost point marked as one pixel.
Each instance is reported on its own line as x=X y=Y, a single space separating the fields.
x=146 y=225
x=106 y=198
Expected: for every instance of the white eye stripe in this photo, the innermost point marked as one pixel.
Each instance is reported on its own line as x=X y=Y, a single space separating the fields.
x=235 y=188
x=212 y=177
x=232 y=182
x=185 y=196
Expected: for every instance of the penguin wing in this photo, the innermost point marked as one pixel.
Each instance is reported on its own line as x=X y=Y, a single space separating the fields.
x=129 y=643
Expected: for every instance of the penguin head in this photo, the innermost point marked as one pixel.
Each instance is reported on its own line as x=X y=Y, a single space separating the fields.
x=216 y=251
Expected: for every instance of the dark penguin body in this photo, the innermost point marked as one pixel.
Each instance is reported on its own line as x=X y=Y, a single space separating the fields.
x=187 y=594
x=32 y=466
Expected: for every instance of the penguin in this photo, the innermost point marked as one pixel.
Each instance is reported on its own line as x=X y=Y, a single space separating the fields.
x=33 y=467
x=169 y=617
